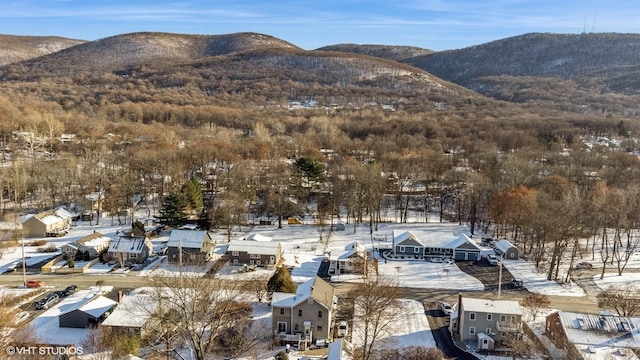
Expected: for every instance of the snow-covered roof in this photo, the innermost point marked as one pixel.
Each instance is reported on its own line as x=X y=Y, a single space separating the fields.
x=133 y=311
x=95 y=240
x=460 y=240
x=401 y=236
x=503 y=245
x=491 y=306
x=128 y=244
x=254 y=247
x=50 y=219
x=317 y=288
x=192 y=239
x=258 y=237
x=95 y=307
x=601 y=330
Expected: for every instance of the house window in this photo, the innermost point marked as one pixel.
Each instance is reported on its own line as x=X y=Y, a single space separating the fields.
x=133 y=256
x=402 y=249
x=235 y=261
x=282 y=327
x=319 y=327
x=472 y=316
x=503 y=318
x=472 y=330
x=281 y=311
x=513 y=319
x=254 y=256
x=489 y=317
x=296 y=327
x=320 y=313
x=300 y=312
x=416 y=250
x=488 y=331
x=258 y=262
x=251 y=262
x=485 y=341
x=234 y=253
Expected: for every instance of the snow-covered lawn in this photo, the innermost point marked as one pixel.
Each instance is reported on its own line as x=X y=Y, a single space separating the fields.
x=537 y=282
x=628 y=279
x=410 y=329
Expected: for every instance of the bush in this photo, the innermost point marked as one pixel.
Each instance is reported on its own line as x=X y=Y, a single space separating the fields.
x=282 y=355
x=71 y=263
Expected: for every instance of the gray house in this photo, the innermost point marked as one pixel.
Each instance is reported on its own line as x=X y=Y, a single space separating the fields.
x=86 y=313
x=405 y=243
x=486 y=322
x=506 y=249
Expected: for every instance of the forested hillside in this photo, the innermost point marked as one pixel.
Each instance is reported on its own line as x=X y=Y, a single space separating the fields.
x=270 y=131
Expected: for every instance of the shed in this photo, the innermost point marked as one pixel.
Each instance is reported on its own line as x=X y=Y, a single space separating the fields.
x=86 y=313
x=506 y=249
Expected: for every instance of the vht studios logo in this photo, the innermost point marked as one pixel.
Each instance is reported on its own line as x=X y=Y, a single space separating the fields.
x=43 y=350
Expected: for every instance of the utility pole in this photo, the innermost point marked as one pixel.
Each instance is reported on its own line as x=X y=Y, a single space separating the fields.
x=500 y=278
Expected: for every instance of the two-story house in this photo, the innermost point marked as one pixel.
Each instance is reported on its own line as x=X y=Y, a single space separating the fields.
x=194 y=246
x=304 y=318
x=251 y=252
x=486 y=322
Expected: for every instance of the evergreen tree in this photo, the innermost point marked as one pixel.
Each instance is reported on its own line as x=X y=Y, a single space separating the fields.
x=137 y=228
x=311 y=167
x=192 y=192
x=172 y=213
x=281 y=281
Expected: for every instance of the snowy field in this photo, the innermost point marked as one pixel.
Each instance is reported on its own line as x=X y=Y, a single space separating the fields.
x=537 y=282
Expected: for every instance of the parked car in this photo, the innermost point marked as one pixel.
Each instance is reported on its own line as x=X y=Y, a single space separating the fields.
x=71 y=289
x=517 y=283
x=583 y=266
x=34 y=283
x=437 y=259
x=47 y=301
x=493 y=259
x=446 y=308
x=343 y=329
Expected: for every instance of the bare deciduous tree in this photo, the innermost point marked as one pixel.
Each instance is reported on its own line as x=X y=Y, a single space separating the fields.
x=535 y=303
x=623 y=300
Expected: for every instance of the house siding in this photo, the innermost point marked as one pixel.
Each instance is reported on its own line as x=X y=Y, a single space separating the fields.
x=188 y=255
x=309 y=313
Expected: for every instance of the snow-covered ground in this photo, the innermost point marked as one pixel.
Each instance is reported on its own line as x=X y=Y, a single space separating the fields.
x=537 y=282
x=409 y=329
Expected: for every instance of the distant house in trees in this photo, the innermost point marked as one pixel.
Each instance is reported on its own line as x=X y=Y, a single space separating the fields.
x=194 y=245
x=130 y=249
x=48 y=223
x=252 y=252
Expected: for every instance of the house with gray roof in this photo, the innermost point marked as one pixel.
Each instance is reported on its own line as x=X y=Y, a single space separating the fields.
x=130 y=249
x=457 y=246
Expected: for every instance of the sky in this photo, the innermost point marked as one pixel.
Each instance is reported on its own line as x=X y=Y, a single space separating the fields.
x=431 y=24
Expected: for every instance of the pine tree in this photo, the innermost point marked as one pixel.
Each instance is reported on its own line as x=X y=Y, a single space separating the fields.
x=192 y=192
x=172 y=213
x=281 y=281
x=137 y=228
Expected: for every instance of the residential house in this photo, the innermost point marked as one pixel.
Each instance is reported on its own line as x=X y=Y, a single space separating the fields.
x=130 y=249
x=304 y=318
x=406 y=244
x=194 y=245
x=92 y=244
x=591 y=336
x=48 y=223
x=349 y=261
x=259 y=253
x=506 y=250
x=486 y=323
x=132 y=316
x=436 y=243
x=87 y=313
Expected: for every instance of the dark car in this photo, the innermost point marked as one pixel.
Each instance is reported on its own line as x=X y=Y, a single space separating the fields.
x=47 y=301
x=70 y=289
x=517 y=283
